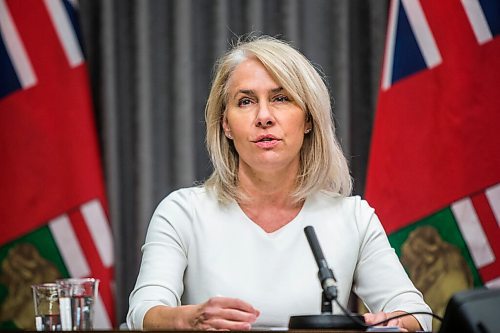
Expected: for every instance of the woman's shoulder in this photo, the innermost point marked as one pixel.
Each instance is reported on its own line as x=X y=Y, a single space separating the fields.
x=351 y=210
x=183 y=205
x=181 y=198
x=188 y=194
x=350 y=203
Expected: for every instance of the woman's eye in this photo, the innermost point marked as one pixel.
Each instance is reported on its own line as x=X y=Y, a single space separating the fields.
x=244 y=101
x=281 y=98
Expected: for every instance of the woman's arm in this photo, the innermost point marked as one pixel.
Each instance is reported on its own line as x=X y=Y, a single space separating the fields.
x=381 y=281
x=164 y=260
x=409 y=322
x=216 y=313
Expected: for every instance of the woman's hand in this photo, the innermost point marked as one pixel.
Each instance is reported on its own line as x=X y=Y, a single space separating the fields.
x=407 y=323
x=223 y=313
x=218 y=313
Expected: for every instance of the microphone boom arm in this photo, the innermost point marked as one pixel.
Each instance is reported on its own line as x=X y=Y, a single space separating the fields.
x=326 y=320
x=325 y=274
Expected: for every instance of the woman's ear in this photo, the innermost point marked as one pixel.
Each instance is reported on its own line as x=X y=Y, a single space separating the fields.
x=226 y=128
x=308 y=124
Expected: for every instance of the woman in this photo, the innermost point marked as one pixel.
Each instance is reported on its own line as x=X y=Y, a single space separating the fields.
x=232 y=253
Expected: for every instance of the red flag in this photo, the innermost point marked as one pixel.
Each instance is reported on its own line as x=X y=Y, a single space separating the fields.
x=435 y=156
x=436 y=129
x=50 y=166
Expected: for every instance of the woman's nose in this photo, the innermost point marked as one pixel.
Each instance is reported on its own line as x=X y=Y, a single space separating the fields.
x=264 y=117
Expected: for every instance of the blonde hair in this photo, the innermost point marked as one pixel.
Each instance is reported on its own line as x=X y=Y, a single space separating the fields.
x=322 y=163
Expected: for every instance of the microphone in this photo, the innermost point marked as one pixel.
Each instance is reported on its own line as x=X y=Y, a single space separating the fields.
x=329 y=284
x=325 y=274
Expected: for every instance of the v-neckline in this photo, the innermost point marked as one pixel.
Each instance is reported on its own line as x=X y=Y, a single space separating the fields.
x=273 y=234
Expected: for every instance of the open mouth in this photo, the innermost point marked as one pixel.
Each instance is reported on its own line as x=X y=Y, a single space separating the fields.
x=267 y=142
x=266 y=138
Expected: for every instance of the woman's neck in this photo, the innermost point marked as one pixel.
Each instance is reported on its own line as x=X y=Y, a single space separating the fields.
x=267 y=188
x=267 y=199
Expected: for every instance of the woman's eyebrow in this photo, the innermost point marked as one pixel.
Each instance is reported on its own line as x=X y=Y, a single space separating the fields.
x=245 y=92
x=252 y=92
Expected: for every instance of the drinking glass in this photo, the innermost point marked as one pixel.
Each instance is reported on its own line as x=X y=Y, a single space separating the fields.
x=76 y=303
x=45 y=299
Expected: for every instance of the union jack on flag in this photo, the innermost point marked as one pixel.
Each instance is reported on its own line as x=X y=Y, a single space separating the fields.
x=434 y=168
x=53 y=219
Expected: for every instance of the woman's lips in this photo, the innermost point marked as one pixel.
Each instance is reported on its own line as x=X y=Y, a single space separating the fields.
x=267 y=144
x=266 y=141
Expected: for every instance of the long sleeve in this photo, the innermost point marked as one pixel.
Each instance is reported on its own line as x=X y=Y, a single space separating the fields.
x=380 y=280
x=160 y=279
x=196 y=249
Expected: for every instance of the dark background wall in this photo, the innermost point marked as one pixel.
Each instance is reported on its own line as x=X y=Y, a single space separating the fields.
x=151 y=63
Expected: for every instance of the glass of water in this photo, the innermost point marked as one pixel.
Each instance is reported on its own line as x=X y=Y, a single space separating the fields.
x=46 y=303
x=76 y=303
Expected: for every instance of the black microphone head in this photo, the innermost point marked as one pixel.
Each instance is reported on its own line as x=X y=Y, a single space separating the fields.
x=314 y=244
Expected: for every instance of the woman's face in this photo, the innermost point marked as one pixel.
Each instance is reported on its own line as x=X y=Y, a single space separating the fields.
x=265 y=124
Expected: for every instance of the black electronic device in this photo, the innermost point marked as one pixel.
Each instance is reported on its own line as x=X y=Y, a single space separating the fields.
x=473 y=311
x=325 y=320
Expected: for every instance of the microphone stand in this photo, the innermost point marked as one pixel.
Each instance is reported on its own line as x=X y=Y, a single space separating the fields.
x=326 y=304
x=326 y=320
